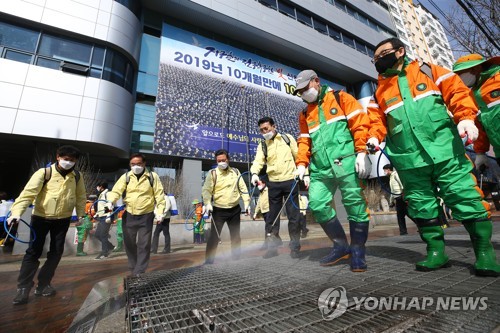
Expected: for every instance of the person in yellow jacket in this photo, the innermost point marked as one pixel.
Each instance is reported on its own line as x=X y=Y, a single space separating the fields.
x=262 y=207
x=221 y=194
x=56 y=191
x=145 y=203
x=278 y=152
x=410 y=111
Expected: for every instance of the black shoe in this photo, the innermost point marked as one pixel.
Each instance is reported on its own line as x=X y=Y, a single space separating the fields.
x=165 y=251
x=304 y=234
x=21 y=296
x=101 y=256
x=270 y=253
x=154 y=251
x=45 y=291
x=295 y=254
x=209 y=262
x=401 y=233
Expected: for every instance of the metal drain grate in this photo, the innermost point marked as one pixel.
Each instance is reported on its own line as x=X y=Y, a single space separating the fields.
x=281 y=294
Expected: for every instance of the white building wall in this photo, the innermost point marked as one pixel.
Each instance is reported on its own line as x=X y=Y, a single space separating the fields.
x=42 y=102
x=106 y=20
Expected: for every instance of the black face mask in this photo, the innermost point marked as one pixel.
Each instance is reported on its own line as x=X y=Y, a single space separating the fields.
x=386 y=62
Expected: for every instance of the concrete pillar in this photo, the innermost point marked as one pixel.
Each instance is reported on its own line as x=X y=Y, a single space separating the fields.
x=191 y=182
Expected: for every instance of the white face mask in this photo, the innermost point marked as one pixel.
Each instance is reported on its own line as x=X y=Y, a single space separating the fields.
x=269 y=135
x=66 y=165
x=310 y=95
x=222 y=165
x=468 y=79
x=261 y=187
x=137 y=169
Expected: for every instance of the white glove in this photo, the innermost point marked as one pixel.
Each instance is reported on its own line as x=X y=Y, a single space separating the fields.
x=467 y=127
x=371 y=144
x=363 y=165
x=307 y=181
x=300 y=172
x=207 y=209
x=255 y=179
x=481 y=159
x=81 y=220
x=13 y=218
x=158 y=218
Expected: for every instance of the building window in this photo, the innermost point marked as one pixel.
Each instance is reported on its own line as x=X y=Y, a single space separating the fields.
x=361 y=47
x=269 y=3
x=18 y=38
x=335 y=34
x=18 y=56
x=48 y=63
x=64 y=49
x=352 y=12
x=286 y=9
x=349 y=41
x=340 y=6
x=321 y=27
x=304 y=18
x=64 y=53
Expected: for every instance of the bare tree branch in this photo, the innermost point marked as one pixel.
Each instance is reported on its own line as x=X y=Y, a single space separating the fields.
x=465 y=36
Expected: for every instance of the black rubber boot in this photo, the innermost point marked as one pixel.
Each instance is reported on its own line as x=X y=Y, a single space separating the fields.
x=359 y=235
x=340 y=251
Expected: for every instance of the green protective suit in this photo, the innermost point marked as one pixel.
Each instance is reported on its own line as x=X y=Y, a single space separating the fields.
x=425 y=148
x=329 y=142
x=83 y=230
x=200 y=227
x=119 y=232
x=490 y=113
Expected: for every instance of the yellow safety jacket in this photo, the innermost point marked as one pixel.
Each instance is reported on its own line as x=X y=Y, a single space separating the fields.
x=140 y=197
x=54 y=200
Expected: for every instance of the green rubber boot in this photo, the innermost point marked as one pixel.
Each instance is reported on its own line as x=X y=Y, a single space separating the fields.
x=480 y=235
x=79 y=250
x=433 y=236
x=119 y=247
